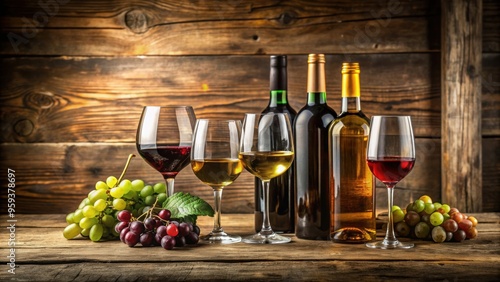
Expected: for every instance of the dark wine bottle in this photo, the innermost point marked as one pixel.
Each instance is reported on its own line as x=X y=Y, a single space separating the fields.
x=311 y=156
x=281 y=188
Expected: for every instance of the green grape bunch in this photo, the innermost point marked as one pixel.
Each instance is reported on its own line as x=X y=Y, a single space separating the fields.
x=96 y=216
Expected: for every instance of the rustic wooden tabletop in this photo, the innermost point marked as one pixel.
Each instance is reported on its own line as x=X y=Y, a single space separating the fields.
x=41 y=253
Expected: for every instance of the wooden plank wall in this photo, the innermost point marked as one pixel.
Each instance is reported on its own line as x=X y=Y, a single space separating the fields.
x=76 y=74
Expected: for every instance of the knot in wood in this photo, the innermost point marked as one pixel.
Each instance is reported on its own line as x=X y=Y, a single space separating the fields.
x=40 y=100
x=471 y=71
x=286 y=18
x=24 y=127
x=136 y=21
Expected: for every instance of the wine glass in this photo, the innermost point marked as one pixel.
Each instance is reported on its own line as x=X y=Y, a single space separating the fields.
x=266 y=150
x=164 y=138
x=214 y=160
x=390 y=157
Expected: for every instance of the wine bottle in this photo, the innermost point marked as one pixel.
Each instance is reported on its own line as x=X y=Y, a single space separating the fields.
x=352 y=188
x=281 y=188
x=311 y=158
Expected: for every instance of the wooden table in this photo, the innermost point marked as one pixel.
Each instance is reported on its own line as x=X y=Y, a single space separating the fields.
x=43 y=254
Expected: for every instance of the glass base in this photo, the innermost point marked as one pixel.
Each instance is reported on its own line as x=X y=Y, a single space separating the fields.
x=266 y=239
x=389 y=245
x=220 y=238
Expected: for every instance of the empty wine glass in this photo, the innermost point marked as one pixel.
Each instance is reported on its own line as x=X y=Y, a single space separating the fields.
x=164 y=138
x=214 y=160
x=390 y=156
x=266 y=150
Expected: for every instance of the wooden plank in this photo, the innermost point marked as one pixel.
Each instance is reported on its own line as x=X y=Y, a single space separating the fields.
x=54 y=178
x=491 y=26
x=461 y=104
x=168 y=27
x=42 y=250
x=68 y=99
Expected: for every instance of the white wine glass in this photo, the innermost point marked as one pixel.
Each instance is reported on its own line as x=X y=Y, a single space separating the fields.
x=266 y=151
x=164 y=138
x=390 y=157
x=214 y=160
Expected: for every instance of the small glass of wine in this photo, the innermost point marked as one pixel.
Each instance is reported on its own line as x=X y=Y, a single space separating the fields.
x=214 y=160
x=267 y=151
x=163 y=139
x=390 y=157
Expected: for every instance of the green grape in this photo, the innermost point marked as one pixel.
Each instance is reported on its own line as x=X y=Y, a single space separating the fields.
x=108 y=221
x=409 y=207
x=111 y=181
x=85 y=232
x=105 y=232
x=429 y=208
x=77 y=216
x=116 y=192
x=438 y=234
x=160 y=188
x=150 y=200
x=101 y=185
x=96 y=232
x=100 y=205
x=131 y=195
x=446 y=208
x=126 y=185
x=147 y=191
x=144 y=209
x=69 y=218
x=88 y=222
x=418 y=205
x=422 y=230
x=437 y=205
x=436 y=218
x=446 y=216
x=89 y=211
x=137 y=185
x=95 y=195
x=71 y=231
x=84 y=203
x=397 y=215
x=119 y=204
x=395 y=208
x=161 y=198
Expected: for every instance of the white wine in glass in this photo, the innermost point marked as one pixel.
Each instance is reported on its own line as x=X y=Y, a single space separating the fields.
x=214 y=160
x=266 y=151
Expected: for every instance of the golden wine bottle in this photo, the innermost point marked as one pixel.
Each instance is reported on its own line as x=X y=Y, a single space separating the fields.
x=352 y=186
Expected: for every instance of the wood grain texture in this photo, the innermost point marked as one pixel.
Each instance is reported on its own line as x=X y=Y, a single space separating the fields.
x=69 y=99
x=54 y=178
x=168 y=27
x=461 y=104
x=44 y=255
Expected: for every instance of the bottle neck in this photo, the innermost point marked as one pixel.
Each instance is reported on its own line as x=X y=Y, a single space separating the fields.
x=351 y=101
x=278 y=98
x=316 y=82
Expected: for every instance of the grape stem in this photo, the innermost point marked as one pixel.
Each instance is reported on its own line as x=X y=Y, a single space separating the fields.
x=125 y=168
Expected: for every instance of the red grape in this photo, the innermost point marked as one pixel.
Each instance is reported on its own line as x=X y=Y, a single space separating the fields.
x=471 y=233
x=137 y=227
x=450 y=225
x=465 y=224
x=172 y=230
x=124 y=216
x=131 y=238
x=168 y=242
x=164 y=214
x=459 y=236
x=147 y=239
x=412 y=218
x=120 y=226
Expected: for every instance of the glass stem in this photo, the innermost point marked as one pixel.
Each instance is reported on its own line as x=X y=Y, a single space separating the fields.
x=389 y=235
x=266 y=224
x=217 y=202
x=170 y=186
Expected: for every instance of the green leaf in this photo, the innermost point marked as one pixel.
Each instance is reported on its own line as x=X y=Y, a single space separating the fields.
x=187 y=207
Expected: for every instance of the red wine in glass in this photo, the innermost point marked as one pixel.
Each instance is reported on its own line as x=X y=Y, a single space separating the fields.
x=164 y=138
x=168 y=160
x=390 y=170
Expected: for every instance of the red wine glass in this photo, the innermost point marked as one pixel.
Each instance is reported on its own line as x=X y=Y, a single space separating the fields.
x=390 y=157
x=164 y=138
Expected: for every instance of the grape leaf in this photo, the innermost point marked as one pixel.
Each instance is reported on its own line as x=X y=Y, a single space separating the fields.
x=186 y=207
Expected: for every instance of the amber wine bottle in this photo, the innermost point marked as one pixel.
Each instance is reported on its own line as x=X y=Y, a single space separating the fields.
x=281 y=188
x=352 y=186
x=311 y=157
